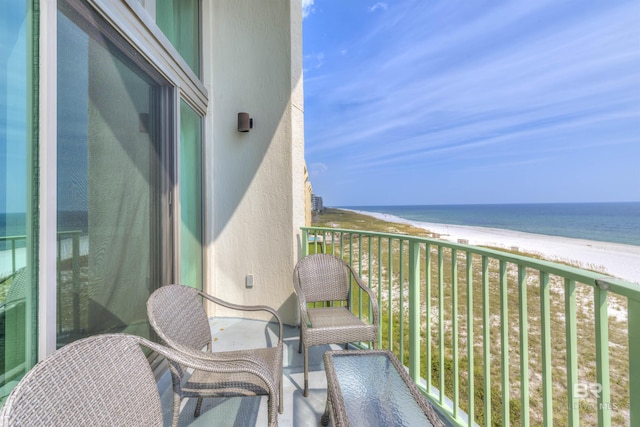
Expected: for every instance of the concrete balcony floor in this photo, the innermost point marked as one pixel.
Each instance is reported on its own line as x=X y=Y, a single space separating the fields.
x=234 y=333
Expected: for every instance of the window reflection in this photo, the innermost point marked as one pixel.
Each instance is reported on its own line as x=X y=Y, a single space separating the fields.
x=108 y=187
x=17 y=284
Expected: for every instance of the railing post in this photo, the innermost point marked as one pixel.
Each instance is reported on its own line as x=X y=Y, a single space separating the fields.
x=523 y=316
x=380 y=291
x=545 y=332
x=305 y=242
x=572 y=351
x=427 y=309
x=486 y=341
x=390 y=295
x=13 y=256
x=602 y=354
x=315 y=241
x=470 y=340
x=441 y=346
x=75 y=268
x=59 y=281
x=401 y=305
x=454 y=324
x=414 y=310
x=504 y=342
x=360 y=273
x=633 y=308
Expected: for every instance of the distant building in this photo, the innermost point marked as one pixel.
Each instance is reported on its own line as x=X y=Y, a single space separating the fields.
x=316 y=204
x=308 y=192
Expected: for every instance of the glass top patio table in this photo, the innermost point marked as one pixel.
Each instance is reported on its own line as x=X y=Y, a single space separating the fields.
x=371 y=388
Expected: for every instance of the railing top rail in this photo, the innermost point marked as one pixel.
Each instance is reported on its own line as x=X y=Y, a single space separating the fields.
x=591 y=278
x=69 y=232
x=24 y=236
x=12 y=237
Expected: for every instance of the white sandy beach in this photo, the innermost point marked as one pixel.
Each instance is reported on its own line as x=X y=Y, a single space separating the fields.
x=614 y=259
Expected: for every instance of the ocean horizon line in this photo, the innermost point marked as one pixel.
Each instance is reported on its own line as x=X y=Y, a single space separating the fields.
x=483 y=204
x=613 y=222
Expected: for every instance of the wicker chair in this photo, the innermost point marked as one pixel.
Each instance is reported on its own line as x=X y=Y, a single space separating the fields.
x=101 y=380
x=177 y=315
x=324 y=277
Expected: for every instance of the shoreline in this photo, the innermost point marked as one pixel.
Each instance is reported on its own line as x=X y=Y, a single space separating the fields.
x=614 y=259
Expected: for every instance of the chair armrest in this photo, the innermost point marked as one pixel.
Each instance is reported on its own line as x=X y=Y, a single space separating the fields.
x=302 y=300
x=372 y=297
x=191 y=358
x=203 y=361
x=247 y=308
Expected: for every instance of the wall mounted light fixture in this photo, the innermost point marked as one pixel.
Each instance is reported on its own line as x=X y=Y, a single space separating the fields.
x=245 y=123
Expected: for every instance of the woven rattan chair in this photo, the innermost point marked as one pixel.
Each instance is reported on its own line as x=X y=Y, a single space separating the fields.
x=324 y=277
x=103 y=380
x=178 y=316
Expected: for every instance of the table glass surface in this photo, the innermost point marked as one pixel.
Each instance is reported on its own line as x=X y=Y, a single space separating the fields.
x=374 y=394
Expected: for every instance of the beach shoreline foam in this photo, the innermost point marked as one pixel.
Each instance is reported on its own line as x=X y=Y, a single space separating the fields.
x=614 y=259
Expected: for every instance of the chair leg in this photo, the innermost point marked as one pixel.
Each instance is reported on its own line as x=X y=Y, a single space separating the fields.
x=280 y=398
x=324 y=420
x=176 y=409
x=272 y=415
x=196 y=414
x=177 y=394
x=306 y=372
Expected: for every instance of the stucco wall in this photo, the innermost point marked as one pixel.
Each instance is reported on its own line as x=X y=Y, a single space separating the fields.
x=254 y=181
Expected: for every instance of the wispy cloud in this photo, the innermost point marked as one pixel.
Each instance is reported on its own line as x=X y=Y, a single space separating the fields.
x=436 y=86
x=379 y=5
x=316 y=169
x=307 y=7
x=313 y=61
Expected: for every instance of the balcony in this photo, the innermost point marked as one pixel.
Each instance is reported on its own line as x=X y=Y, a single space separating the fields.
x=490 y=336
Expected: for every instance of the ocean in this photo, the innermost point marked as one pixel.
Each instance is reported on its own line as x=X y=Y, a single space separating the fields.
x=605 y=222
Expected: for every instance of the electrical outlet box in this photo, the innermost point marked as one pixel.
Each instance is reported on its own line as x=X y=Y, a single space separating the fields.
x=249 y=281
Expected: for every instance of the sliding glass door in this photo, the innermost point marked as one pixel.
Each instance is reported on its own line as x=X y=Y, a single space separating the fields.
x=111 y=159
x=18 y=224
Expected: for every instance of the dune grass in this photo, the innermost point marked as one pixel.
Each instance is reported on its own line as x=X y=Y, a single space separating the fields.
x=334 y=218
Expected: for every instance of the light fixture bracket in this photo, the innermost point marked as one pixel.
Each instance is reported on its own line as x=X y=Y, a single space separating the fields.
x=245 y=122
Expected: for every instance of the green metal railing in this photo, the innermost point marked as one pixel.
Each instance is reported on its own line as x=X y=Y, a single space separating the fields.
x=498 y=338
x=75 y=236
x=12 y=243
x=13 y=246
x=72 y=259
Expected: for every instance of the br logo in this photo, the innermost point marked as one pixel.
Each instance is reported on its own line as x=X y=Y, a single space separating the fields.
x=584 y=390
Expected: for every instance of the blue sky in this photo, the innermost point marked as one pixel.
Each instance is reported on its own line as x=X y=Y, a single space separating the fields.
x=463 y=102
